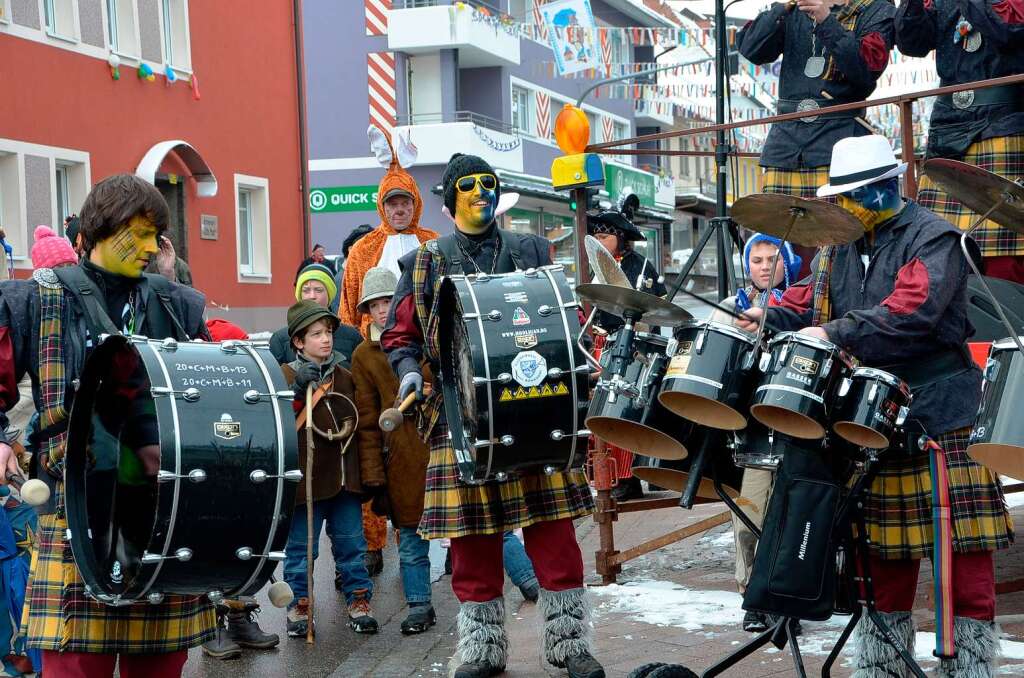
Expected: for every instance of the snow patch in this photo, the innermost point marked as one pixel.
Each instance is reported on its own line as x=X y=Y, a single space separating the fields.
x=667 y=604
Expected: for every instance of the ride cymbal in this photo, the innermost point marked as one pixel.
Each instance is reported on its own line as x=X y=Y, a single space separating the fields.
x=980 y=190
x=622 y=300
x=811 y=223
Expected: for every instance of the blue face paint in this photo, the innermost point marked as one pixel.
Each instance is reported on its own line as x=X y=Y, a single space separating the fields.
x=873 y=203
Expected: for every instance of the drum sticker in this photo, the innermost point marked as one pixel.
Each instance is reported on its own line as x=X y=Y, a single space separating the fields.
x=529 y=368
x=804 y=365
x=520 y=333
x=525 y=341
x=520 y=317
x=680 y=362
x=545 y=391
x=516 y=298
x=226 y=428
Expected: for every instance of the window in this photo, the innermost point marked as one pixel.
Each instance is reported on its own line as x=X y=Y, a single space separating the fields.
x=174 y=17
x=620 y=130
x=522 y=119
x=620 y=48
x=121 y=27
x=252 y=202
x=63 y=194
x=522 y=221
x=5 y=11
x=560 y=232
x=60 y=18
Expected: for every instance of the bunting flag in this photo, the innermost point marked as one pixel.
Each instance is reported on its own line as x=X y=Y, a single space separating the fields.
x=543 y=107
x=380 y=67
x=377 y=16
x=606 y=54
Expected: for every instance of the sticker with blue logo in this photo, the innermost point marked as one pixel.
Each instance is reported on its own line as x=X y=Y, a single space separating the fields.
x=529 y=368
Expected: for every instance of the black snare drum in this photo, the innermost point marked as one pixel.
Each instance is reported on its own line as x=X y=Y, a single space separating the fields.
x=627 y=413
x=872 y=405
x=801 y=377
x=708 y=378
x=181 y=469
x=997 y=440
x=755 y=447
x=515 y=385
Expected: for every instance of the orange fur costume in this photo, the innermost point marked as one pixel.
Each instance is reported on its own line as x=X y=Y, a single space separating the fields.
x=366 y=253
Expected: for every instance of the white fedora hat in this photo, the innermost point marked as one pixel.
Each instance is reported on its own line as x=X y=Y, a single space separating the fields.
x=858 y=161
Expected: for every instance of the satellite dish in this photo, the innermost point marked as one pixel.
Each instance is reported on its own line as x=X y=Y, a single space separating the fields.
x=606 y=270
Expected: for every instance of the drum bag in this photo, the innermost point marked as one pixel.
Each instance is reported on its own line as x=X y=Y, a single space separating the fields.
x=794 y=566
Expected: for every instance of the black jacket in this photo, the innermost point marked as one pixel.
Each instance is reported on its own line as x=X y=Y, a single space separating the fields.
x=642 y=276
x=925 y=26
x=907 y=314
x=779 y=31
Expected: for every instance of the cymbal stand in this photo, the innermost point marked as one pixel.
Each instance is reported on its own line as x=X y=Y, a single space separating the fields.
x=794 y=214
x=1007 y=199
x=622 y=353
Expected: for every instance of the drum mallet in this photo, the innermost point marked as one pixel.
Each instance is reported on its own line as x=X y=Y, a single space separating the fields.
x=280 y=593
x=391 y=418
x=34 y=492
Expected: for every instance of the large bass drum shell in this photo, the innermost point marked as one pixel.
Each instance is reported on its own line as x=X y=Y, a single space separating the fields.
x=799 y=385
x=515 y=384
x=873 y=405
x=708 y=376
x=640 y=424
x=997 y=439
x=176 y=462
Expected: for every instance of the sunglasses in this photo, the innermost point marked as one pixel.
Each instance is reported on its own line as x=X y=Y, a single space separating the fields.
x=488 y=182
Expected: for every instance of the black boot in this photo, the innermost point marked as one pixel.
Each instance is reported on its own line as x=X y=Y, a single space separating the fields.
x=583 y=666
x=483 y=645
x=246 y=632
x=420 y=618
x=222 y=646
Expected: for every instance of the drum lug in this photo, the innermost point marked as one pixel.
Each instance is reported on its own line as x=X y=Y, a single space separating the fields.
x=873 y=393
x=230 y=345
x=501 y=476
x=544 y=311
x=494 y=315
x=216 y=597
x=481 y=277
x=555 y=373
x=748 y=361
x=765 y=361
x=196 y=475
x=698 y=346
x=844 y=387
x=169 y=344
x=991 y=369
x=671 y=347
x=531 y=273
x=190 y=395
x=155 y=598
x=550 y=470
x=253 y=396
x=558 y=434
x=901 y=418
x=502 y=378
x=245 y=553
x=182 y=555
x=827 y=367
x=783 y=354
x=259 y=476
x=507 y=440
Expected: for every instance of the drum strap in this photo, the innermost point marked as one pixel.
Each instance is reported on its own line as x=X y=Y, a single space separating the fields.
x=942 y=555
x=322 y=390
x=88 y=296
x=509 y=255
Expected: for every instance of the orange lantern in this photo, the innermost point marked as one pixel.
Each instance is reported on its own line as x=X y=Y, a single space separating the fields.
x=572 y=130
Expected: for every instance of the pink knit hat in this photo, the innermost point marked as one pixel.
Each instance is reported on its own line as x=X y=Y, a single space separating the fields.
x=50 y=250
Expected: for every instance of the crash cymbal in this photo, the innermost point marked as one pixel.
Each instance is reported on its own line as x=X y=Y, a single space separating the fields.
x=979 y=190
x=676 y=481
x=603 y=265
x=811 y=223
x=620 y=300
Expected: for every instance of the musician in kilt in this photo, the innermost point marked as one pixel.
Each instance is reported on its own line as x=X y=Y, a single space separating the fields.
x=973 y=40
x=896 y=300
x=48 y=326
x=833 y=53
x=475 y=517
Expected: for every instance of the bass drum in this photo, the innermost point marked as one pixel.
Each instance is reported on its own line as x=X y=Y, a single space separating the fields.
x=638 y=423
x=181 y=469
x=997 y=440
x=515 y=385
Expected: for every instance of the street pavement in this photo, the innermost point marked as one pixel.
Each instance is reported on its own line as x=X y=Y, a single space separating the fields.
x=676 y=605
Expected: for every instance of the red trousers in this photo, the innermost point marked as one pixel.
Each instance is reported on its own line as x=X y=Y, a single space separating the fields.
x=974 y=584
x=477 y=573
x=95 y=665
x=1007 y=268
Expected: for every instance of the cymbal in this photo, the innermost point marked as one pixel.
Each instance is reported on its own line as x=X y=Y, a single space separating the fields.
x=817 y=223
x=979 y=190
x=603 y=265
x=1005 y=459
x=620 y=300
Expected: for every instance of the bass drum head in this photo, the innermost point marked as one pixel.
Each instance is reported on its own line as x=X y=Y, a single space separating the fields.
x=639 y=438
x=787 y=421
x=457 y=370
x=860 y=435
x=112 y=468
x=703 y=411
x=1003 y=458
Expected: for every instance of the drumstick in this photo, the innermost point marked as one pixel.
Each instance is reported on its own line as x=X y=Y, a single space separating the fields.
x=309 y=510
x=731 y=314
x=391 y=418
x=864 y=123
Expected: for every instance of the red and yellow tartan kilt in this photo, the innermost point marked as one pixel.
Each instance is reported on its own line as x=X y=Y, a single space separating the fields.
x=1000 y=155
x=59 y=616
x=452 y=508
x=899 y=503
x=803 y=183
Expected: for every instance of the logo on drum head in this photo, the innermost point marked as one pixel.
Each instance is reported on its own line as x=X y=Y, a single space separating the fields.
x=804 y=365
x=525 y=341
x=516 y=298
x=520 y=317
x=227 y=429
x=529 y=368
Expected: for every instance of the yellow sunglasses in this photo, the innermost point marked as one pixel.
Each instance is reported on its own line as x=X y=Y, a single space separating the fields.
x=467 y=184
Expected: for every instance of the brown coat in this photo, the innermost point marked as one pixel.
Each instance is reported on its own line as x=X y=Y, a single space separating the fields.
x=397 y=460
x=327 y=457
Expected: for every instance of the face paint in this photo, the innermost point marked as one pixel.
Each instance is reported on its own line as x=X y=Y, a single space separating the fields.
x=127 y=252
x=874 y=203
x=474 y=209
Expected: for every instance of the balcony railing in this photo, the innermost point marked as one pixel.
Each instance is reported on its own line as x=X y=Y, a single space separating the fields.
x=460 y=116
x=413 y=4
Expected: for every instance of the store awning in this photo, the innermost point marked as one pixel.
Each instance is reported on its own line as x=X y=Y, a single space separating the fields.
x=206 y=183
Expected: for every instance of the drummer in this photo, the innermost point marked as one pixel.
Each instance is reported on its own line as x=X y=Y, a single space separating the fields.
x=121 y=220
x=475 y=517
x=615 y=230
x=896 y=300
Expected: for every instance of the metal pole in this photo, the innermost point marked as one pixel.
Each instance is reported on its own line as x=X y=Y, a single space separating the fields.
x=721 y=151
x=907 y=135
x=582 y=263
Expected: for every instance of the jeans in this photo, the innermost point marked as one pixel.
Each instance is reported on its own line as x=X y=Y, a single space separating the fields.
x=414 y=564
x=517 y=563
x=344 y=517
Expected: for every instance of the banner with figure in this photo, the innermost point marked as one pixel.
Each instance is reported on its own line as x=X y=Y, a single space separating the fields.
x=572 y=34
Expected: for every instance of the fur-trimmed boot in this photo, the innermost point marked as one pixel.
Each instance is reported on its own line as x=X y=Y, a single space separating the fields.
x=483 y=645
x=876 y=658
x=977 y=648
x=567 y=632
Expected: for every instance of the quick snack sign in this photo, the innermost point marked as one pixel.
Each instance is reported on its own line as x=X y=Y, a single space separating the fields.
x=343 y=199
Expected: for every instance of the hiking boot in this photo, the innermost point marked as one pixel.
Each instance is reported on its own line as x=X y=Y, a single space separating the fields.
x=244 y=630
x=222 y=646
x=298 y=619
x=420 y=618
x=628 y=488
x=583 y=666
x=530 y=589
x=360 y=616
x=478 y=670
x=755 y=622
x=374 y=563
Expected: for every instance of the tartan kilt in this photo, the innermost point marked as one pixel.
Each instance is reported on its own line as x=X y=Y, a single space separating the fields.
x=1000 y=155
x=803 y=182
x=899 y=504
x=59 y=616
x=452 y=508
